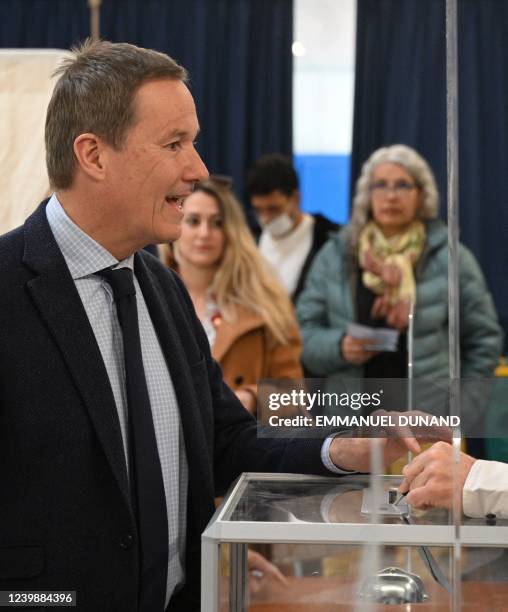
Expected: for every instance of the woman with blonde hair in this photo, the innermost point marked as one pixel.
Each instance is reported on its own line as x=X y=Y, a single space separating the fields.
x=247 y=315
x=391 y=257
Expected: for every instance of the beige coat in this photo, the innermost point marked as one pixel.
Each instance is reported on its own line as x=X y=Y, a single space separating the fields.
x=246 y=350
x=248 y=353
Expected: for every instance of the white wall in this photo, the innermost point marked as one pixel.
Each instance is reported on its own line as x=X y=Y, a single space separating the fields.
x=323 y=83
x=25 y=90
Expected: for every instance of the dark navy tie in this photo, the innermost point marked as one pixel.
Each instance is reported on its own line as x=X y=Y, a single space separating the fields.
x=145 y=472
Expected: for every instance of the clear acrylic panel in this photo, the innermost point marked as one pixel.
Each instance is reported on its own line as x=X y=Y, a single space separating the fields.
x=337 y=544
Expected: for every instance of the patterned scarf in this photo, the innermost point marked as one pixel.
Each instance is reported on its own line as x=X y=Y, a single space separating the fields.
x=377 y=254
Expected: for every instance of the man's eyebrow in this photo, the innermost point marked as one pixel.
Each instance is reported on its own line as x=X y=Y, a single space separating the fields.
x=181 y=133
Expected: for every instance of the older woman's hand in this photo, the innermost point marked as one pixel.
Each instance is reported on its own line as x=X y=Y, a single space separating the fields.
x=396 y=315
x=391 y=274
x=353 y=349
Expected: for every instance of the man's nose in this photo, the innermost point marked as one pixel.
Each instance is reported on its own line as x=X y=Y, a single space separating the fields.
x=196 y=170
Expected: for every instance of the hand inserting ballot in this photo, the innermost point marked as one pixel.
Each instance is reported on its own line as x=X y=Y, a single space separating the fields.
x=430 y=478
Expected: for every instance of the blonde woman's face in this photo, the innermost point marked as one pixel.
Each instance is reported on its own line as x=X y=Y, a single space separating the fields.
x=394 y=198
x=202 y=239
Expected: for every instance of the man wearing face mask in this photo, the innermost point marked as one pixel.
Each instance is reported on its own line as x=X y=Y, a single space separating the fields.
x=289 y=238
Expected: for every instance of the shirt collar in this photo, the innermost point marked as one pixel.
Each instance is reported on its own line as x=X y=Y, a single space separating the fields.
x=83 y=255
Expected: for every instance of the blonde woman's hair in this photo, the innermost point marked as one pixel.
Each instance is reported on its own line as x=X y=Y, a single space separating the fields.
x=414 y=164
x=243 y=278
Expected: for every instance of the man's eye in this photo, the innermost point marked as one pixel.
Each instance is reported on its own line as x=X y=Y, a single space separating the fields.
x=173 y=146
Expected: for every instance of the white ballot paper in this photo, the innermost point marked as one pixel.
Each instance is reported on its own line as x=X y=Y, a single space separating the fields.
x=383 y=338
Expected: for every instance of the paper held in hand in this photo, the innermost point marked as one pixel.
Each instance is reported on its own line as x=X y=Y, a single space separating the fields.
x=383 y=338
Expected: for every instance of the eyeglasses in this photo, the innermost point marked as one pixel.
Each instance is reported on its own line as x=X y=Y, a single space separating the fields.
x=400 y=188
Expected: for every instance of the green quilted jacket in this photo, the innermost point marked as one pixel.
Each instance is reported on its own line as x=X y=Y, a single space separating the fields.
x=326 y=306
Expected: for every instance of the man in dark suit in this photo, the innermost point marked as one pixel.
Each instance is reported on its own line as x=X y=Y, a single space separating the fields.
x=120 y=134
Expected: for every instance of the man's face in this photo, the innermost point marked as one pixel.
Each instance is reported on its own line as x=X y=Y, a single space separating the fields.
x=274 y=204
x=156 y=168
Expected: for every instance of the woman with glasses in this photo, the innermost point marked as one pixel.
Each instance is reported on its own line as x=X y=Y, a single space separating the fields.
x=392 y=257
x=247 y=316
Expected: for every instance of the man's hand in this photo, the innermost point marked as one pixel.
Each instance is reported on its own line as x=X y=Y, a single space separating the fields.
x=353 y=349
x=431 y=478
x=354 y=453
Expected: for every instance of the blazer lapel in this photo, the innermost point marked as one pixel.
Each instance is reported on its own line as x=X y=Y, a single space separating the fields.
x=57 y=299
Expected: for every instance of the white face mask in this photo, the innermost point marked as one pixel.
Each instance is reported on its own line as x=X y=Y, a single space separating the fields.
x=281 y=225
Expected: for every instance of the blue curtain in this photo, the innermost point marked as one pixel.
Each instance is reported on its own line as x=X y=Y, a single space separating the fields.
x=43 y=23
x=238 y=53
x=400 y=96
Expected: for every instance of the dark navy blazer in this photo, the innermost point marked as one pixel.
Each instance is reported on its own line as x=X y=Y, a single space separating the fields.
x=65 y=517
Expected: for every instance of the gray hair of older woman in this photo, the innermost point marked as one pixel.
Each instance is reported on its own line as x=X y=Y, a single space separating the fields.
x=414 y=164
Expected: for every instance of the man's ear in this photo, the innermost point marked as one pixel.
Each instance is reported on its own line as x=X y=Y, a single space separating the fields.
x=89 y=152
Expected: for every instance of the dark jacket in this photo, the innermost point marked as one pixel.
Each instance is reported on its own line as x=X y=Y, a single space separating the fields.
x=65 y=516
x=322 y=229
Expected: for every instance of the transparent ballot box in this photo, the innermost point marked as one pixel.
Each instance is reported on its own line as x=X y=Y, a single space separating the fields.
x=282 y=542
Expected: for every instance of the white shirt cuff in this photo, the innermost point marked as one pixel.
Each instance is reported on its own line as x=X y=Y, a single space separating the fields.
x=486 y=489
x=325 y=457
